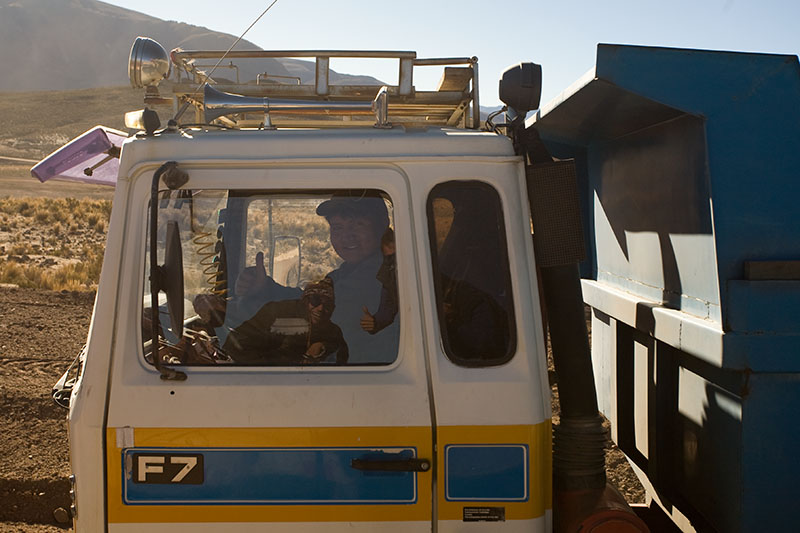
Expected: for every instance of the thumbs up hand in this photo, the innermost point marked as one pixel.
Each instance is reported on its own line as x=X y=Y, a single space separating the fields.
x=367 y=320
x=252 y=279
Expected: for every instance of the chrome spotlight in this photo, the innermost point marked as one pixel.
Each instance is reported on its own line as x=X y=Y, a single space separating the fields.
x=148 y=63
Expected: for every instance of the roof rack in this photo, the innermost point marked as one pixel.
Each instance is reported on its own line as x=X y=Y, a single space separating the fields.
x=454 y=103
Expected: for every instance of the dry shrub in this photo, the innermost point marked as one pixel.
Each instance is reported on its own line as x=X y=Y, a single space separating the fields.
x=72 y=277
x=25 y=208
x=93 y=261
x=20 y=248
x=42 y=217
x=62 y=251
x=57 y=216
x=58 y=209
x=27 y=276
x=60 y=215
x=12 y=272
x=104 y=206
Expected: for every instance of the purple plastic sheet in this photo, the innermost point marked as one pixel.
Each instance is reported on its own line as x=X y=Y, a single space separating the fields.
x=71 y=160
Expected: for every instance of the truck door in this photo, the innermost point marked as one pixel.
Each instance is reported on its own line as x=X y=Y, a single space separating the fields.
x=492 y=423
x=293 y=413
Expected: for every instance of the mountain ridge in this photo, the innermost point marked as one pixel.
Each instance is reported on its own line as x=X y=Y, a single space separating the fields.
x=81 y=44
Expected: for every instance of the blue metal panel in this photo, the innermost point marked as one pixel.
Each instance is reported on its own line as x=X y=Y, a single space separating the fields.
x=762 y=353
x=764 y=326
x=653 y=193
x=691 y=163
x=750 y=102
x=486 y=473
x=765 y=307
x=277 y=476
x=708 y=420
x=749 y=106
x=771 y=445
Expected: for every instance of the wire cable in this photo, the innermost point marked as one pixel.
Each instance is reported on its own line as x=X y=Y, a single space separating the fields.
x=491 y=126
x=185 y=105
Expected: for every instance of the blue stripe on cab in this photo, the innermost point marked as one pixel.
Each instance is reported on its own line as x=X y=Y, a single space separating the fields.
x=282 y=476
x=486 y=472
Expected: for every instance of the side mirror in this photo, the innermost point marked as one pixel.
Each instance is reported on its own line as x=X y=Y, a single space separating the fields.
x=169 y=276
x=172 y=278
x=284 y=262
x=62 y=390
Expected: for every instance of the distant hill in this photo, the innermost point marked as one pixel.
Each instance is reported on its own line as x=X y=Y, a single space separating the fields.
x=33 y=124
x=77 y=44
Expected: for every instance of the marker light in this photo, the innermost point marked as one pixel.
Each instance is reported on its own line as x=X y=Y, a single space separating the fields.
x=144 y=119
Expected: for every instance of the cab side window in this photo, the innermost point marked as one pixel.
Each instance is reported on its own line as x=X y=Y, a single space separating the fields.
x=471 y=273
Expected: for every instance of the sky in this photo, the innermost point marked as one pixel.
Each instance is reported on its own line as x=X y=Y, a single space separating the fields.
x=562 y=36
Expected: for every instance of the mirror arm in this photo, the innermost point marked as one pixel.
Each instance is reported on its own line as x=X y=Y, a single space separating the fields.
x=155 y=275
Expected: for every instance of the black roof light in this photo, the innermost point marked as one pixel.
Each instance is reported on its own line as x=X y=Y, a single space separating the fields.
x=521 y=87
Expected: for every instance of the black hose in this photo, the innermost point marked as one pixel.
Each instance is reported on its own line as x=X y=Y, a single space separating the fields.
x=579 y=439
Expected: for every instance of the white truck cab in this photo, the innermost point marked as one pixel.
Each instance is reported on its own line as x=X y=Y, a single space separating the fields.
x=315 y=324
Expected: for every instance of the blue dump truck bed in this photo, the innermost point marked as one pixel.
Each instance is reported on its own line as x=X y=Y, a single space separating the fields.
x=688 y=167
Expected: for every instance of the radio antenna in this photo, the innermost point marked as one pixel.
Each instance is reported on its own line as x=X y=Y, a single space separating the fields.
x=185 y=105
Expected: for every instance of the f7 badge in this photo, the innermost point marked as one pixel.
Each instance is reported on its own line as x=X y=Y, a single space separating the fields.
x=168 y=468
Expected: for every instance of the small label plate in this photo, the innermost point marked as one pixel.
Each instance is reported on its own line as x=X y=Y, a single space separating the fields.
x=484 y=514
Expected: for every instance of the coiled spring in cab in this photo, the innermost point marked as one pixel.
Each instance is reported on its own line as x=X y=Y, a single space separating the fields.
x=212 y=258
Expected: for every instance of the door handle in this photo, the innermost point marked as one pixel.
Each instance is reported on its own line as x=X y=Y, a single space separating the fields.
x=391 y=465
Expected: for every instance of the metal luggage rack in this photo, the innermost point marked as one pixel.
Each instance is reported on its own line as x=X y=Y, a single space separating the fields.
x=455 y=102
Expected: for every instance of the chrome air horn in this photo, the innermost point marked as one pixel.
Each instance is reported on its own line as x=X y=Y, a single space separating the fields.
x=217 y=104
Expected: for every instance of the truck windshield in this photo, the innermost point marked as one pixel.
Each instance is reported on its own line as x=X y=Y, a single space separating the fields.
x=279 y=278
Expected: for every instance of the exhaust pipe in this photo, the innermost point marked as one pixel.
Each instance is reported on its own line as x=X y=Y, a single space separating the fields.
x=583 y=499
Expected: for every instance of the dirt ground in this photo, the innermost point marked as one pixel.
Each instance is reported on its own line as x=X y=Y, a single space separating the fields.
x=40 y=333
